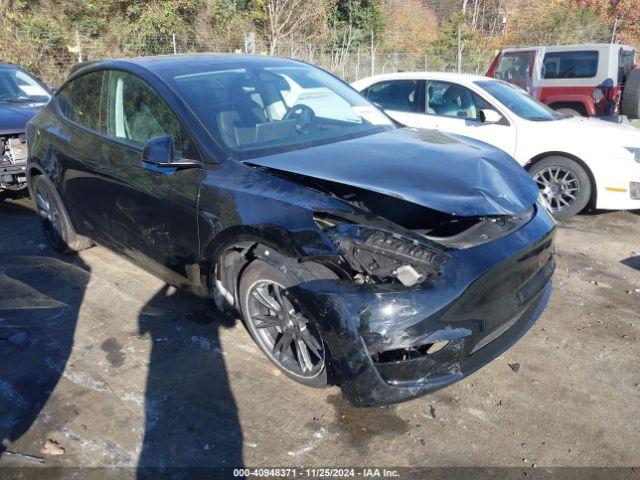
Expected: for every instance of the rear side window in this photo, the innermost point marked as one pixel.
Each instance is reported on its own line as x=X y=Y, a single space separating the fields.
x=79 y=100
x=401 y=95
x=136 y=113
x=571 y=64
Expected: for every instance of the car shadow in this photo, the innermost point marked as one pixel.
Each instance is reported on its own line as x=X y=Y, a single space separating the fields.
x=40 y=297
x=192 y=428
x=192 y=422
x=633 y=262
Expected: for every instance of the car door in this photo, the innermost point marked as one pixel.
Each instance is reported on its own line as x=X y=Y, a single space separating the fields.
x=523 y=68
x=149 y=213
x=73 y=154
x=401 y=100
x=454 y=108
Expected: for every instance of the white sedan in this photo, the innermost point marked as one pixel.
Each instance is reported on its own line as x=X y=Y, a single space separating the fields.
x=575 y=161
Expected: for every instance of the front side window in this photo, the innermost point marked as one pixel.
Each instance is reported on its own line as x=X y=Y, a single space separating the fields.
x=453 y=100
x=516 y=68
x=519 y=101
x=570 y=64
x=400 y=95
x=18 y=87
x=135 y=113
x=79 y=100
x=258 y=109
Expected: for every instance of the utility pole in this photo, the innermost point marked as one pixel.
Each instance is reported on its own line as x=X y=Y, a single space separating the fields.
x=615 y=29
x=175 y=47
x=373 y=56
x=78 y=47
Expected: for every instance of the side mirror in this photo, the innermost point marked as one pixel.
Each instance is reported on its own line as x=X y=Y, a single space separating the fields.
x=158 y=151
x=158 y=156
x=489 y=116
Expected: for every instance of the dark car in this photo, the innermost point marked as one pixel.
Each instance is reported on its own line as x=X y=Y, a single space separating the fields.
x=21 y=96
x=387 y=260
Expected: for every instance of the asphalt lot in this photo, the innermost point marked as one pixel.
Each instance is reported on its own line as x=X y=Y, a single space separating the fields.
x=102 y=365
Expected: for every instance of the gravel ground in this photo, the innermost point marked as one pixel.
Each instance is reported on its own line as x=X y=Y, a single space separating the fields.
x=103 y=365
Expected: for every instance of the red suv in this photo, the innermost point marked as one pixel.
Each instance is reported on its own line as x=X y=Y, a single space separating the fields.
x=586 y=80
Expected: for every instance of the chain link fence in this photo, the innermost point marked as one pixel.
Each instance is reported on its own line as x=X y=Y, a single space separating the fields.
x=53 y=62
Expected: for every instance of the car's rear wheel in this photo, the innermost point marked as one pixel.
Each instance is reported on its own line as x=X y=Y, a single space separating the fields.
x=564 y=184
x=55 y=222
x=277 y=323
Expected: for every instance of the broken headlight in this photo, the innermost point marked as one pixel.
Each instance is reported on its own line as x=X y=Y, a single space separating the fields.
x=381 y=255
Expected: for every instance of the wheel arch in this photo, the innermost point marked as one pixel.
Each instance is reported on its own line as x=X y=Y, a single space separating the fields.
x=585 y=109
x=230 y=251
x=578 y=160
x=32 y=172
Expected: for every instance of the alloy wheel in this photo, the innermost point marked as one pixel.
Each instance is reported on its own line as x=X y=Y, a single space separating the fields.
x=559 y=186
x=286 y=335
x=49 y=214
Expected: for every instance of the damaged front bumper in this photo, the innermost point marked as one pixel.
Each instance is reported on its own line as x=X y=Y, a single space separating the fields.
x=379 y=336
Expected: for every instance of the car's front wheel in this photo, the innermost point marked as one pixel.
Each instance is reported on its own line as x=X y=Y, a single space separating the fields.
x=564 y=183
x=278 y=324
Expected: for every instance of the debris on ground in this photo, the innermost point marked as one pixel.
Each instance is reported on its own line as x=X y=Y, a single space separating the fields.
x=515 y=367
x=51 y=448
x=22 y=456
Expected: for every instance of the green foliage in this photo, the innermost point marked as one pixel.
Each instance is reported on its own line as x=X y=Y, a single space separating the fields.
x=362 y=16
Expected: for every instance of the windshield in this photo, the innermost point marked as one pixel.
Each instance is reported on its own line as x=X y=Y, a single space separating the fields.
x=258 y=110
x=519 y=101
x=16 y=86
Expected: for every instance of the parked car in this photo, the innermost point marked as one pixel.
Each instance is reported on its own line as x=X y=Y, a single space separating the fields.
x=576 y=162
x=582 y=80
x=21 y=96
x=390 y=261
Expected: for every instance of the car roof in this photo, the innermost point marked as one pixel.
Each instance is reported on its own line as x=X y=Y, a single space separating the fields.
x=166 y=65
x=421 y=75
x=572 y=48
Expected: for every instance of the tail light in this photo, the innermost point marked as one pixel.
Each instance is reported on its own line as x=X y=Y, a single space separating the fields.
x=599 y=93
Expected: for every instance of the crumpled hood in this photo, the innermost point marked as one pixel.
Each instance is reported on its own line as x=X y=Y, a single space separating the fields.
x=14 y=116
x=425 y=167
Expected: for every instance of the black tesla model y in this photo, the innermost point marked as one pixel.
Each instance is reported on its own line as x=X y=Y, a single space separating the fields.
x=390 y=261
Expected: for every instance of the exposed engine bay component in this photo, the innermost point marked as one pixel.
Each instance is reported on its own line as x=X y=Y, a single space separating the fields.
x=409 y=353
x=381 y=254
x=13 y=163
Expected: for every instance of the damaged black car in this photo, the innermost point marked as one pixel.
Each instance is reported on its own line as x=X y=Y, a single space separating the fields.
x=386 y=260
x=21 y=96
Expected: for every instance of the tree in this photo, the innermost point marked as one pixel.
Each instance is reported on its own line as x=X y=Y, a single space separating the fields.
x=622 y=16
x=294 y=19
x=409 y=26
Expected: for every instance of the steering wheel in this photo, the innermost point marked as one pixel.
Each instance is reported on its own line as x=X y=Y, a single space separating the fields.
x=304 y=116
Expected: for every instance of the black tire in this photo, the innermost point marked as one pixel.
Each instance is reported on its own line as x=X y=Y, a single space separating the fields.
x=54 y=219
x=577 y=178
x=631 y=95
x=259 y=274
x=570 y=111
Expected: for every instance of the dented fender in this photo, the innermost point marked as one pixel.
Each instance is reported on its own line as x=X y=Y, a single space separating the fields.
x=497 y=289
